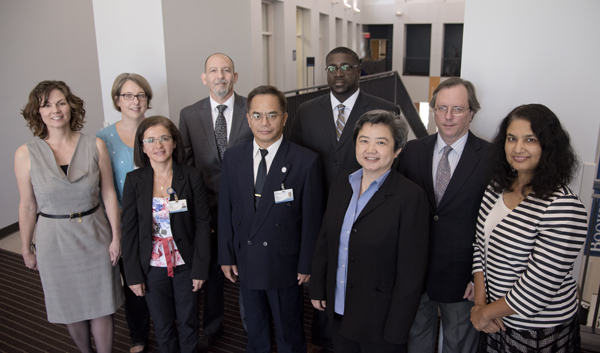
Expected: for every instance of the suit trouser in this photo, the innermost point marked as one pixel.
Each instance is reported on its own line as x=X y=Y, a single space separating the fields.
x=136 y=313
x=214 y=299
x=286 y=305
x=459 y=334
x=171 y=298
x=344 y=344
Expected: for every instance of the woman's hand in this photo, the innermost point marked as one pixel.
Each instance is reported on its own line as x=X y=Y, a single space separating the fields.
x=197 y=284
x=138 y=289
x=115 y=251
x=30 y=261
x=479 y=322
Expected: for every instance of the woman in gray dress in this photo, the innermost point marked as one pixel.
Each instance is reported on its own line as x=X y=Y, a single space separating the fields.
x=60 y=174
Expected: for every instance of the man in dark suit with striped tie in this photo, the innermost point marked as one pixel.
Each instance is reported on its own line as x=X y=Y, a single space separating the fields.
x=208 y=127
x=451 y=167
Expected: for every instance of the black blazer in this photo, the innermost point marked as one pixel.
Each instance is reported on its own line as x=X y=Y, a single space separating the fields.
x=198 y=139
x=386 y=261
x=271 y=245
x=452 y=228
x=314 y=128
x=191 y=229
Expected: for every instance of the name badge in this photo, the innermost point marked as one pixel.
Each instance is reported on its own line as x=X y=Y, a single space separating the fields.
x=178 y=206
x=284 y=195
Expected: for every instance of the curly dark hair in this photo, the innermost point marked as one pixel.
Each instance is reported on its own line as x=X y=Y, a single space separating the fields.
x=39 y=96
x=140 y=159
x=558 y=161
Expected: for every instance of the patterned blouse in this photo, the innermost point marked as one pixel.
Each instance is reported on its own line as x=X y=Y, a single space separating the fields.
x=162 y=238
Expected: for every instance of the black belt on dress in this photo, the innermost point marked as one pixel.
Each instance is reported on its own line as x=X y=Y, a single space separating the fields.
x=72 y=215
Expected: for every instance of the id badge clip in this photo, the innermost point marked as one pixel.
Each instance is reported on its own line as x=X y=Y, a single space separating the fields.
x=284 y=195
x=177 y=205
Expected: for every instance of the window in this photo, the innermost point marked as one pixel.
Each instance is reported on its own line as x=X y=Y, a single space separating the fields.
x=268 y=70
x=453 y=36
x=418 y=50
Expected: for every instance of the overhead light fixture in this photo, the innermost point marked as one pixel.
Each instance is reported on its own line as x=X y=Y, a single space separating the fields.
x=399 y=13
x=356 y=10
x=347 y=6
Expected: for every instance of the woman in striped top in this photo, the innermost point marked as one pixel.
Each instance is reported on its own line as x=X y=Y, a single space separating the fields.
x=530 y=228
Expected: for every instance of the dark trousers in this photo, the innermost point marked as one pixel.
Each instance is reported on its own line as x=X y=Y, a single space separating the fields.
x=214 y=299
x=320 y=329
x=344 y=344
x=170 y=299
x=136 y=313
x=286 y=306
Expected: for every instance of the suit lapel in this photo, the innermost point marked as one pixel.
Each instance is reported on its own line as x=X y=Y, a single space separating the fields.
x=245 y=176
x=275 y=178
x=237 y=121
x=179 y=181
x=205 y=118
x=425 y=161
x=325 y=117
x=466 y=164
x=145 y=194
x=360 y=107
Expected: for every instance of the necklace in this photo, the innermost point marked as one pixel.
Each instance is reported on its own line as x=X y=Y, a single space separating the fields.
x=162 y=184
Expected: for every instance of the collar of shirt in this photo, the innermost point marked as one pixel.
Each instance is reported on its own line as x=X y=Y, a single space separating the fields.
x=268 y=158
x=227 y=113
x=355 y=180
x=453 y=157
x=348 y=104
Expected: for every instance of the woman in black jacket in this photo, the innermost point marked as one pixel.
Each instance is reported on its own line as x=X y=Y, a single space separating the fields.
x=166 y=234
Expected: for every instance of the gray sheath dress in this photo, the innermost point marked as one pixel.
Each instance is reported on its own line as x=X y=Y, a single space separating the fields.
x=77 y=276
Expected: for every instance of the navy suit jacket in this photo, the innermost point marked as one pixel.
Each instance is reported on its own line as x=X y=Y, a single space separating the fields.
x=191 y=229
x=314 y=128
x=387 y=259
x=271 y=245
x=452 y=223
x=198 y=138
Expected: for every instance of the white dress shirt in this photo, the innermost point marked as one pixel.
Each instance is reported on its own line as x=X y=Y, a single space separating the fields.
x=268 y=158
x=228 y=113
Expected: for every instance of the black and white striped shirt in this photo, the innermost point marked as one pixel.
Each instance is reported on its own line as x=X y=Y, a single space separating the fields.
x=530 y=257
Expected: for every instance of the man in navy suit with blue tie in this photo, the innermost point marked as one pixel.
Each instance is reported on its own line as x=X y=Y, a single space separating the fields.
x=270 y=210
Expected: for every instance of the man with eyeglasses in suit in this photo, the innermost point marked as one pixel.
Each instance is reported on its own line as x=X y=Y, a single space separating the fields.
x=451 y=167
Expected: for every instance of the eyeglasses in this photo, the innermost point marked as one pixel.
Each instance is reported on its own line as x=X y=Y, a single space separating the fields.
x=130 y=97
x=332 y=69
x=455 y=111
x=153 y=140
x=269 y=116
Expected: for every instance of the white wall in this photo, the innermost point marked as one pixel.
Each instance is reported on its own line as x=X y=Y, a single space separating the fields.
x=195 y=29
x=536 y=51
x=42 y=40
x=131 y=40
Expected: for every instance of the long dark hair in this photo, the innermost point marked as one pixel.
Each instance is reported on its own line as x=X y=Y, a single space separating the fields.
x=557 y=163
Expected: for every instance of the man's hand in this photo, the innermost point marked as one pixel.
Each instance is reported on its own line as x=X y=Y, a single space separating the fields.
x=197 y=284
x=138 y=289
x=470 y=292
x=303 y=278
x=319 y=304
x=231 y=272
